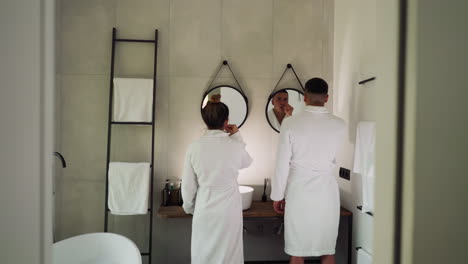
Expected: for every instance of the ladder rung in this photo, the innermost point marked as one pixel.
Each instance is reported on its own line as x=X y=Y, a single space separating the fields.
x=132 y=123
x=151 y=165
x=135 y=40
x=108 y=210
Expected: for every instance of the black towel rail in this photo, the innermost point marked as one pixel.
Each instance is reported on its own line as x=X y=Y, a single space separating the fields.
x=367 y=80
x=115 y=40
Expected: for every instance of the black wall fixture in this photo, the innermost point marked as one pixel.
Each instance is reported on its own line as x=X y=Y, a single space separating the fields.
x=345 y=173
x=367 y=80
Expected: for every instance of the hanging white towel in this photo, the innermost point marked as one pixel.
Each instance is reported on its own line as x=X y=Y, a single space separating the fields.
x=363 y=257
x=129 y=185
x=133 y=100
x=364 y=162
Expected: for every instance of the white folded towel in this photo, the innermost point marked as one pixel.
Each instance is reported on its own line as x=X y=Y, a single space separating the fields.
x=129 y=185
x=133 y=100
x=364 y=162
x=363 y=257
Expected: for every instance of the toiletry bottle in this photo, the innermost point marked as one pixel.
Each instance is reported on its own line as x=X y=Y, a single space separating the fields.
x=180 y=201
x=170 y=193
x=264 y=196
x=166 y=194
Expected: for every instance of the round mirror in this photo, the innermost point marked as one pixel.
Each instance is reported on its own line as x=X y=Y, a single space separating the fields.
x=278 y=103
x=233 y=98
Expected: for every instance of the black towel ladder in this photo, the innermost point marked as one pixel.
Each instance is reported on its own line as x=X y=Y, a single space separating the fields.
x=116 y=40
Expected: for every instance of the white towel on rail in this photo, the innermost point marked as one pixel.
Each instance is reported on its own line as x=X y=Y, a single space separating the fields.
x=129 y=185
x=364 y=162
x=133 y=100
x=363 y=257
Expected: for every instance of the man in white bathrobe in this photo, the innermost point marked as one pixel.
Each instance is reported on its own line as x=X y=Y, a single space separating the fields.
x=304 y=187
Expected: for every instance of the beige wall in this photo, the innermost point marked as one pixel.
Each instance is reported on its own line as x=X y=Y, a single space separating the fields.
x=355 y=60
x=257 y=37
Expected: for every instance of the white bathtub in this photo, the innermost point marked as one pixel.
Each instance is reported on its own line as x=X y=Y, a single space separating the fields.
x=94 y=248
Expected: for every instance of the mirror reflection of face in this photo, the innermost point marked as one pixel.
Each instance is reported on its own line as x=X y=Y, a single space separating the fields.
x=276 y=106
x=214 y=95
x=215 y=98
x=232 y=98
x=279 y=101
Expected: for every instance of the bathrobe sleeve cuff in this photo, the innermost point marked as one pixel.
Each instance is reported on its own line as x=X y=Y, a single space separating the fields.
x=279 y=180
x=189 y=185
x=277 y=197
x=188 y=209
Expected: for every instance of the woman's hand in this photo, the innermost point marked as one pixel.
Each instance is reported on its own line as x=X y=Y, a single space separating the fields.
x=231 y=129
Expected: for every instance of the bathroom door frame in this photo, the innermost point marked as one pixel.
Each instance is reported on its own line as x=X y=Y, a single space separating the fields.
x=27 y=72
x=391 y=56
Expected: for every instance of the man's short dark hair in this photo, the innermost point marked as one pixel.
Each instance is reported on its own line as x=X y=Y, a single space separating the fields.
x=282 y=91
x=215 y=114
x=316 y=86
x=278 y=92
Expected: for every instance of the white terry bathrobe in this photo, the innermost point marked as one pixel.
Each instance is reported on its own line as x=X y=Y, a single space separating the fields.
x=304 y=177
x=273 y=120
x=210 y=192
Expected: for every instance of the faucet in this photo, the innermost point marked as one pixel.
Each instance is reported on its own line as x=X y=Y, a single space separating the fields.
x=64 y=164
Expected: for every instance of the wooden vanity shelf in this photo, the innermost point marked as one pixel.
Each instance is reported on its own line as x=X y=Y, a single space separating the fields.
x=258 y=209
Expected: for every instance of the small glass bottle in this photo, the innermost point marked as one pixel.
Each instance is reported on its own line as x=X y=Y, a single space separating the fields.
x=180 y=201
x=166 y=194
x=171 y=194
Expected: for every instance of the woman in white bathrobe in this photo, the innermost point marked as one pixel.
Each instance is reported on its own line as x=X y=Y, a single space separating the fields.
x=211 y=192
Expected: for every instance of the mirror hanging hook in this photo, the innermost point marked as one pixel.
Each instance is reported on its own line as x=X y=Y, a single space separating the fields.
x=226 y=63
x=289 y=66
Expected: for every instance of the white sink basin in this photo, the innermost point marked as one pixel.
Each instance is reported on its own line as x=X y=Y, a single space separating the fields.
x=246 y=194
